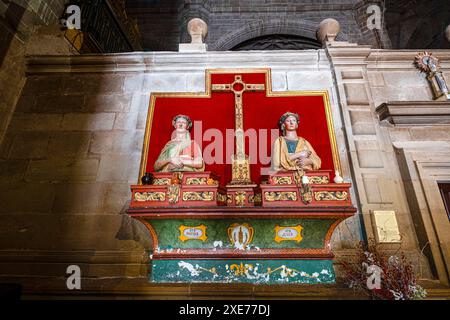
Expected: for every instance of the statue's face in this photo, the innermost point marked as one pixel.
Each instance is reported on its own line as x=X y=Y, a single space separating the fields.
x=181 y=125
x=290 y=123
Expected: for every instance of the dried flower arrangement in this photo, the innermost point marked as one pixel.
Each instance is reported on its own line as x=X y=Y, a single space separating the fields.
x=382 y=277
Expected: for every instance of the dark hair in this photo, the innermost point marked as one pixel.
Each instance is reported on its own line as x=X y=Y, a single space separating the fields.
x=185 y=117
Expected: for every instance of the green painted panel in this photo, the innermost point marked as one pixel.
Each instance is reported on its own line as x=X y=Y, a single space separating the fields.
x=248 y=271
x=313 y=233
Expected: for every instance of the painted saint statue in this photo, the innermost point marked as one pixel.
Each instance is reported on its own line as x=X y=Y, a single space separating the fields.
x=291 y=152
x=180 y=153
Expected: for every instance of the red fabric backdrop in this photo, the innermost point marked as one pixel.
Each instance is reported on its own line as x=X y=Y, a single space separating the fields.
x=260 y=112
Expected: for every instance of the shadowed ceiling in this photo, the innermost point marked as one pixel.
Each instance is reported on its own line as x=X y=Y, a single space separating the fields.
x=410 y=24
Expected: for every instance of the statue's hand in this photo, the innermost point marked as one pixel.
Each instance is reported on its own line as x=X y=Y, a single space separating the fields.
x=304 y=154
x=176 y=162
x=304 y=162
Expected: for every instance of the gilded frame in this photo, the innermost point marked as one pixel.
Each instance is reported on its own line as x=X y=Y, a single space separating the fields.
x=269 y=93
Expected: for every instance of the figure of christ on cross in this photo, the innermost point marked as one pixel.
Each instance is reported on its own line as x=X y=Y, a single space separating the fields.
x=240 y=164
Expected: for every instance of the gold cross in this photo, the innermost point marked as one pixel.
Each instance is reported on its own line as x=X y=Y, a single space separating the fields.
x=241 y=166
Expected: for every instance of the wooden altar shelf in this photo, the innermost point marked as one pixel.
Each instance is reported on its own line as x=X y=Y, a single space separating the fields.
x=325 y=194
x=242 y=244
x=202 y=189
x=198 y=189
x=334 y=214
x=285 y=189
x=202 y=232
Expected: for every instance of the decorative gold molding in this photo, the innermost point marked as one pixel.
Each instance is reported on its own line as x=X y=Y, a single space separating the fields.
x=255 y=198
x=295 y=233
x=241 y=270
x=282 y=180
x=298 y=176
x=196 y=181
x=280 y=196
x=318 y=179
x=173 y=193
x=240 y=172
x=239 y=198
x=161 y=181
x=331 y=195
x=212 y=182
x=306 y=194
x=185 y=229
x=221 y=197
x=198 y=196
x=177 y=178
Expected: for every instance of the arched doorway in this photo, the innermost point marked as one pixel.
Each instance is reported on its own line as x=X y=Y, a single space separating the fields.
x=278 y=42
x=275 y=34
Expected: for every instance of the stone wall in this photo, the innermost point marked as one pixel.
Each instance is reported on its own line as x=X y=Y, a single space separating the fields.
x=19 y=21
x=421 y=147
x=70 y=154
x=235 y=21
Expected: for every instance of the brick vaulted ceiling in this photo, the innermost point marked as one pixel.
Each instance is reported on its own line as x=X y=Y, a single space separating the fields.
x=417 y=24
x=241 y=24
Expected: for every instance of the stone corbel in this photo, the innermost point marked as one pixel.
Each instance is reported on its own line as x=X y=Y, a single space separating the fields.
x=414 y=113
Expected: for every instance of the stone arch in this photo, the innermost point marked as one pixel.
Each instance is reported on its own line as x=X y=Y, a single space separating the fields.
x=265 y=27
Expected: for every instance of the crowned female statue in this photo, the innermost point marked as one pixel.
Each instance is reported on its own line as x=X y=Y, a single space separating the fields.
x=180 y=153
x=291 y=152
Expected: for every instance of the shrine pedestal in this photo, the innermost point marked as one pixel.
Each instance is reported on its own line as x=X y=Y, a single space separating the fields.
x=285 y=189
x=198 y=239
x=255 y=245
x=179 y=189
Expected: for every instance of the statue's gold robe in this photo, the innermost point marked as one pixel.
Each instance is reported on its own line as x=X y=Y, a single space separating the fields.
x=280 y=156
x=187 y=148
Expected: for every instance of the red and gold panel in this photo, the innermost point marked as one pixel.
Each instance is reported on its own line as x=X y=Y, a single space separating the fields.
x=261 y=111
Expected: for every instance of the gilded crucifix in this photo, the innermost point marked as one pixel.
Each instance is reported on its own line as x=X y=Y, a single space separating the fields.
x=240 y=164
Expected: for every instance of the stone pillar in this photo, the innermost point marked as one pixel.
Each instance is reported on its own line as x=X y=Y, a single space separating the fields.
x=375 y=169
